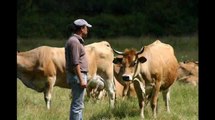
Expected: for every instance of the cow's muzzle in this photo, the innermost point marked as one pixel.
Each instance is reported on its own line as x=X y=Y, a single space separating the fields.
x=126 y=78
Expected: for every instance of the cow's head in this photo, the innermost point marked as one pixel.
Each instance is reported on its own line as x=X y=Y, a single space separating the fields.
x=187 y=68
x=129 y=62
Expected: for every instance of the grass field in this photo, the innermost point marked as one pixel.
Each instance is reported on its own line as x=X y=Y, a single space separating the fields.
x=183 y=103
x=31 y=106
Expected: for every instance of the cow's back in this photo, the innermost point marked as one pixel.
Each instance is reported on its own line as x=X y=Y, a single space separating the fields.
x=103 y=58
x=58 y=58
x=35 y=66
x=161 y=62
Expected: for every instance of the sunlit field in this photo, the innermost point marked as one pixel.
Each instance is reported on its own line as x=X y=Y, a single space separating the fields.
x=183 y=97
x=31 y=105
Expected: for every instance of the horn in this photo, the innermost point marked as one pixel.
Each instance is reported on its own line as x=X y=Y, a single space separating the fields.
x=118 y=52
x=141 y=51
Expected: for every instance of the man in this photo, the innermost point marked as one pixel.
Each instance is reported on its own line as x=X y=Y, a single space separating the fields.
x=76 y=67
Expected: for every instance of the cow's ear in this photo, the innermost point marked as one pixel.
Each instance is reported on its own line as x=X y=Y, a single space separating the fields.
x=117 y=60
x=142 y=59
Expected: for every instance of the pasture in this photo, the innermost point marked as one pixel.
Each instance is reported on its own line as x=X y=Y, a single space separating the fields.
x=183 y=98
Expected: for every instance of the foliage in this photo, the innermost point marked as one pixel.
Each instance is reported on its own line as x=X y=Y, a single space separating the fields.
x=50 y=18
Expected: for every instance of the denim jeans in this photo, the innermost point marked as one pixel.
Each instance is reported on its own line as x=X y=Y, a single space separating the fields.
x=78 y=92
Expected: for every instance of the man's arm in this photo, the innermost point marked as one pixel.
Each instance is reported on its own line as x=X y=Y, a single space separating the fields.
x=78 y=73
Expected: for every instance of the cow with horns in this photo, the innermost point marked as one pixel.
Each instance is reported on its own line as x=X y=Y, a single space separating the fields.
x=152 y=69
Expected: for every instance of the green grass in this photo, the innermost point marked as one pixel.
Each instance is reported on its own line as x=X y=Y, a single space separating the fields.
x=183 y=103
x=31 y=106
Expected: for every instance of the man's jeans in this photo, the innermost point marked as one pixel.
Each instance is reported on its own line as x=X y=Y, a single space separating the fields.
x=78 y=92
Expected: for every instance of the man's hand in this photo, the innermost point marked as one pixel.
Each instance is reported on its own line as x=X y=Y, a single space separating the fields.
x=83 y=84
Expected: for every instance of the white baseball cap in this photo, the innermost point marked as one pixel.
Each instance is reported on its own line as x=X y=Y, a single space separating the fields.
x=82 y=22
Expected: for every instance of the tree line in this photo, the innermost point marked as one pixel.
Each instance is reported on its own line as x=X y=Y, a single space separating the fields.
x=110 y=18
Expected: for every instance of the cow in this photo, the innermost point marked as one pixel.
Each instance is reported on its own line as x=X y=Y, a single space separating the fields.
x=188 y=72
x=123 y=88
x=43 y=67
x=152 y=69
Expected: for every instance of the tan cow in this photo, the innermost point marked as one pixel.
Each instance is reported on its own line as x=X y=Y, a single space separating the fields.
x=152 y=69
x=43 y=68
x=188 y=72
x=123 y=88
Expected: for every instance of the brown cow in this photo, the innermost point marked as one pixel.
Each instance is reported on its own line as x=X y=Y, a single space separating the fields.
x=152 y=69
x=43 y=68
x=123 y=88
x=188 y=72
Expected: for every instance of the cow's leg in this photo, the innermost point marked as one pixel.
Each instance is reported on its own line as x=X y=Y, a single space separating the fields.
x=125 y=91
x=48 y=91
x=88 y=90
x=140 y=95
x=100 y=94
x=96 y=91
x=100 y=90
x=110 y=88
x=157 y=106
x=166 y=98
x=110 y=85
x=148 y=94
x=154 y=100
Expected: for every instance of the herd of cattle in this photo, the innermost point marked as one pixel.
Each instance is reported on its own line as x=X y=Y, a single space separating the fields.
x=144 y=73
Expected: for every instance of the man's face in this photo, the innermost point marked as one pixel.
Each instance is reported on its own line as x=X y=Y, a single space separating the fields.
x=84 y=30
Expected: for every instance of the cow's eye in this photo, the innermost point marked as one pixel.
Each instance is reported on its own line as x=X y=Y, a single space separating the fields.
x=121 y=65
x=133 y=63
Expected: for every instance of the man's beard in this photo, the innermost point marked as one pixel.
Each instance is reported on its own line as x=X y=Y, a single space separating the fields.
x=84 y=35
